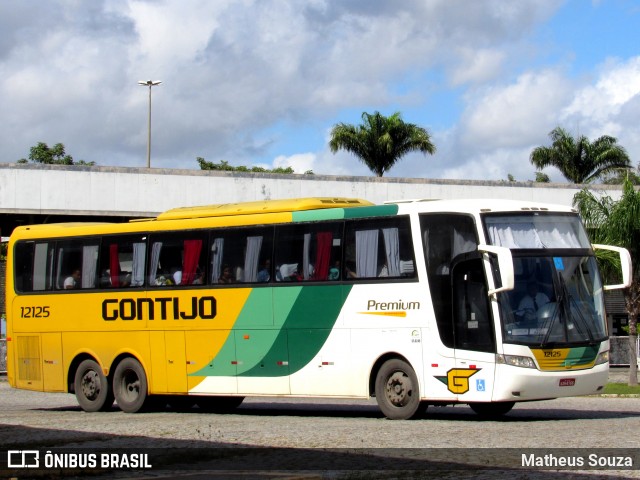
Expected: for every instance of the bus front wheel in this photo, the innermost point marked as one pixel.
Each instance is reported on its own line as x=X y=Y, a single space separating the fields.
x=397 y=391
x=92 y=388
x=130 y=385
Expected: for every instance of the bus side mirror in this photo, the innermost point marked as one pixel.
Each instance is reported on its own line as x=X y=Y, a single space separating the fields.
x=505 y=267
x=625 y=264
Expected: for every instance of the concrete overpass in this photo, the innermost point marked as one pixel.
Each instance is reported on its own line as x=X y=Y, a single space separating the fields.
x=34 y=193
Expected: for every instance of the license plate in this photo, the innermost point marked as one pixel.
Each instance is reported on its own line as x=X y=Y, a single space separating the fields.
x=567 y=382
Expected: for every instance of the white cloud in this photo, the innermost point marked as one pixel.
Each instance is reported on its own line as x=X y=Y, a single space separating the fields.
x=477 y=65
x=502 y=124
x=300 y=162
x=231 y=70
x=597 y=108
x=508 y=115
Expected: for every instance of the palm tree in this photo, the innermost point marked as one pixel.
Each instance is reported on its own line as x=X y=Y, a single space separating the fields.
x=617 y=223
x=579 y=160
x=380 y=141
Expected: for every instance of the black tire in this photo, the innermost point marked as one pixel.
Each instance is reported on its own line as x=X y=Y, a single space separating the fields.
x=492 y=410
x=215 y=404
x=397 y=390
x=130 y=385
x=92 y=387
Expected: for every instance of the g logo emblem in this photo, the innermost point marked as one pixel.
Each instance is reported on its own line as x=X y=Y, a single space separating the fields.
x=457 y=379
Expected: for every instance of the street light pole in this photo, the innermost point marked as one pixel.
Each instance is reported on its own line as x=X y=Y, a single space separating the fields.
x=149 y=83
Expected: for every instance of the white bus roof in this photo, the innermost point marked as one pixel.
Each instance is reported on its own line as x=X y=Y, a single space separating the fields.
x=477 y=205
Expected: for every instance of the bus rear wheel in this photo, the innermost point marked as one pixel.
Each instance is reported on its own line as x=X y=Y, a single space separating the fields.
x=397 y=391
x=92 y=388
x=130 y=385
x=492 y=410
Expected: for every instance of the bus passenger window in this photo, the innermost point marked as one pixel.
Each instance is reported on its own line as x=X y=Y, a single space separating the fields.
x=246 y=252
x=33 y=264
x=176 y=258
x=122 y=261
x=380 y=248
x=308 y=252
x=76 y=264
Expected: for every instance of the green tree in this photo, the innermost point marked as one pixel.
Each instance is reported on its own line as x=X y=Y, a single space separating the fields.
x=621 y=175
x=56 y=155
x=578 y=159
x=224 y=166
x=542 y=177
x=617 y=223
x=379 y=142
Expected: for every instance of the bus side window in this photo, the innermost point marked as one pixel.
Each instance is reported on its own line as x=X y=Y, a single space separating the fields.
x=76 y=264
x=308 y=252
x=245 y=254
x=122 y=260
x=177 y=258
x=23 y=267
x=380 y=248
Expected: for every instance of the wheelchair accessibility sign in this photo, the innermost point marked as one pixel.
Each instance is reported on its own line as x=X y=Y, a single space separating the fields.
x=480 y=385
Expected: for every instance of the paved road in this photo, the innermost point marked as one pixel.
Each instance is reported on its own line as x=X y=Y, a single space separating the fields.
x=37 y=420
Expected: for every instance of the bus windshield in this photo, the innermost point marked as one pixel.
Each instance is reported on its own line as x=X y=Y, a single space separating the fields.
x=558 y=297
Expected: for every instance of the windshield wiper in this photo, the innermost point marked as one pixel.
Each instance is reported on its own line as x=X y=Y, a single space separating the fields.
x=565 y=301
x=550 y=322
x=562 y=306
x=580 y=317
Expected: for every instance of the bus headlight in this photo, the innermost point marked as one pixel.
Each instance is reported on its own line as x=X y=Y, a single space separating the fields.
x=515 y=360
x=603 y=357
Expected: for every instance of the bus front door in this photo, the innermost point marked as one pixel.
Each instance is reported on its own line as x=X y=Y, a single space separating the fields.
x=474 y=336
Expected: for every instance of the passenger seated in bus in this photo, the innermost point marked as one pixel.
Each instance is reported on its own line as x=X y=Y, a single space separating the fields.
x=73 y=280
x=350 y=270
x=226 y=276
x=531 y=302
x=105 y=279
x=199 y=278
x=264 y=274
x=334 y=272
x=125 y=279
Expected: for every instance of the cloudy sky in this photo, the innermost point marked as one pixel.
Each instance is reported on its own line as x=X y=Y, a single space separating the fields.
x=261 y=82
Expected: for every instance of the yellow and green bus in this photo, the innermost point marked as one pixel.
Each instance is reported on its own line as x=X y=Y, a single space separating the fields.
x=415 y=303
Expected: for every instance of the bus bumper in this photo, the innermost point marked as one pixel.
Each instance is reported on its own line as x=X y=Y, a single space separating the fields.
x=522 y=384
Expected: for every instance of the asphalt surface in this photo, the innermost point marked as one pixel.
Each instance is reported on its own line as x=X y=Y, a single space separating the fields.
x=319 y=438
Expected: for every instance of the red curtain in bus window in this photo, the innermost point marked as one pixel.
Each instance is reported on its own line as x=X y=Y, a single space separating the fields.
x=323 y=255
x=192 y=249
x=114 y=265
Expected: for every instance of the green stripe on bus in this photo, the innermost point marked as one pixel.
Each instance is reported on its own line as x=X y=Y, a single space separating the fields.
x=582 y=355
x=306 y=330
x=374 y=211
x=341 y=213
x=273 y=320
